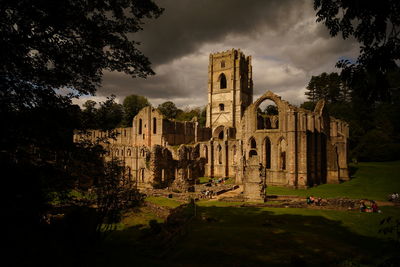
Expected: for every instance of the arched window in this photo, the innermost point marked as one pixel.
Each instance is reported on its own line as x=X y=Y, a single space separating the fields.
x=140 y=126
x=154 y=125
x=253 y=143
x=128 y=153
x=205 y=151
x=221 y=107
x=122 y=152
x=222 y=81
x=223 y=64
x=116 y=152
x=267 y=115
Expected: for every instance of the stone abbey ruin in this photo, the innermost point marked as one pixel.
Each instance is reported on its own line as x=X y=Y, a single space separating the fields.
x=295 y=147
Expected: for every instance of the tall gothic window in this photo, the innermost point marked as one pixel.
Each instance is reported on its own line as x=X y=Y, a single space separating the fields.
x=222 y=81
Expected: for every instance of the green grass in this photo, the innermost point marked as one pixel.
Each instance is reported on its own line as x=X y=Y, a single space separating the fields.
x=163 y=201
x=204 y=180
x=261 y=236
x=254 y=236
x=372 y=180
x=227 y=234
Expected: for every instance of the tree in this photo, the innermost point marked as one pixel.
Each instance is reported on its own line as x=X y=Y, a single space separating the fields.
x=109 y=114
x=115 y=192
x=326 y=86
x=168 y=109
x=49 y=46
x=376 y=26
x=371 y=84
x=271 y=110
x=132 y=105
x=89 y=115
x=56 y=44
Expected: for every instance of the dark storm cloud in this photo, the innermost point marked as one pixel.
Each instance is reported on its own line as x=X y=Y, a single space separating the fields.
x=286 y=43
x=186 y=25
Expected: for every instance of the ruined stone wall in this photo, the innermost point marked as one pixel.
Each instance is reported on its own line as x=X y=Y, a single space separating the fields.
x=162 y=167
x=302 y=151
x=177 y=132
x=147 y=127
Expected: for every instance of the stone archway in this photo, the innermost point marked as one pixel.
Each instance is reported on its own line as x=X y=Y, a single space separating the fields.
x=219 y=132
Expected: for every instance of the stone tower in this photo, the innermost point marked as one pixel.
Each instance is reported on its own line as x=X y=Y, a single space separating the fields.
x=230 y=88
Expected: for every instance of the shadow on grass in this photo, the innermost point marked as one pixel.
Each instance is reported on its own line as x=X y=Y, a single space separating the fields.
x=237 y=236
x=352 y=170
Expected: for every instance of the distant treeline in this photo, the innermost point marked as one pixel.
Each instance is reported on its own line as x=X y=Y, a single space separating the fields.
x=109 y=114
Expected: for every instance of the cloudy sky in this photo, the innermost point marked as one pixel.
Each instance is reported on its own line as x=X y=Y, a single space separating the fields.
x=288 y=46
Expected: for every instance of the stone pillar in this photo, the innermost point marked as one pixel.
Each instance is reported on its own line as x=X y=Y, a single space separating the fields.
x=254 y=183
x=291 y=150
x=302 y=151
x=302 y=157
x=211 y=159
x=240 y=163
x=225 y=158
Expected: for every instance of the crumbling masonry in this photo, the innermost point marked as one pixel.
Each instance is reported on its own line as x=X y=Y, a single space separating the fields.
x=296 y=147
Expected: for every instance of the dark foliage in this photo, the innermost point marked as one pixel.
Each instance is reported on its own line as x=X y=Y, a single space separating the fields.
x=373 y=79
x=132 y=105
x=168 y=109
x=69 y=43
x=51 y=51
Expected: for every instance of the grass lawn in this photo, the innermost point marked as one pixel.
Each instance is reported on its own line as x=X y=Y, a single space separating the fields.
x=372 y=180
x=163 y=201
x=224 y=234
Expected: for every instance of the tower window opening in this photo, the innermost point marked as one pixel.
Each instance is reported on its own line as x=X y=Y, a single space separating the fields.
x=154 y=125
x=140 y=126
x=222 y=64
x=222 y=81
x=221 y=107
